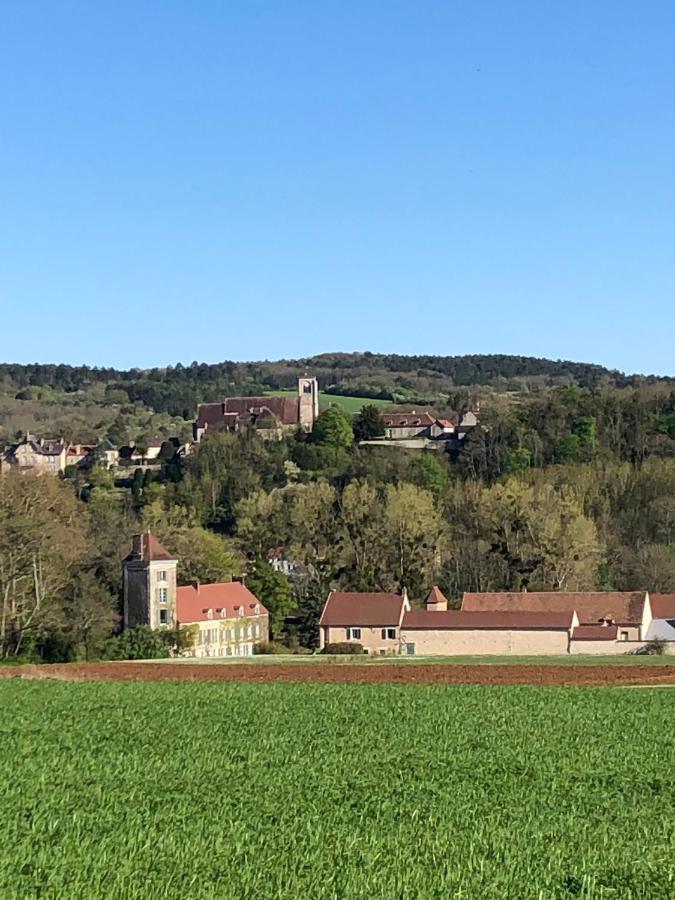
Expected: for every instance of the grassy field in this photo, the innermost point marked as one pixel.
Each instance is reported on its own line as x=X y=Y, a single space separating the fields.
x=349 y=404
x=287 y=791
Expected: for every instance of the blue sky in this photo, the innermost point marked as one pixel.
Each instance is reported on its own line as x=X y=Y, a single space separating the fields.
x=248 y=180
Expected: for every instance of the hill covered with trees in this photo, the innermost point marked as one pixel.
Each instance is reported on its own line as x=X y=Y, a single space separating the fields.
x=569 y=483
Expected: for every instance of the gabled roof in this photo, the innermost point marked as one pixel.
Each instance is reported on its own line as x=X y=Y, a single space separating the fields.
x=663 y=606
x=590 y=606
x=595 y=633
x=345 y=608
x=456 y=619
x=146 y=548
x=224 y=599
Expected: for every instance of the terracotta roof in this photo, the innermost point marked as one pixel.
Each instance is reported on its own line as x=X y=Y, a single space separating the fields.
x=624 y=608
x=146 y=548
x=351 y=608
x=445 y=423
x=243 y=409
x=595 y=633
x=436 y=595
x=663 y=606
x=456 y=619
x=223 y=599
x=406 y=419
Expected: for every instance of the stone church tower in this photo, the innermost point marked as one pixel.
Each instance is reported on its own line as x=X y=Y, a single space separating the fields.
x=308 y=411
x=149 y=584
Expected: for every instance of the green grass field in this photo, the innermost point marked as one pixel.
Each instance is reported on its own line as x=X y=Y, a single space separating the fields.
x=307 y=791
x=349 y=404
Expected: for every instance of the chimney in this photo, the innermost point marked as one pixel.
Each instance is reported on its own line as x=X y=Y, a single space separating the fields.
x=137 y=545
x=195 y=585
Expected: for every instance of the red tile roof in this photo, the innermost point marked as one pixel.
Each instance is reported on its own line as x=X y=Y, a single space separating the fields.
x=406 y=419
x=350 y=608
x=193 y=603
x=146 y=548
x=595 y=633
x=663 y=606
x=456 y=619
x=624 y=608
x=436 y=596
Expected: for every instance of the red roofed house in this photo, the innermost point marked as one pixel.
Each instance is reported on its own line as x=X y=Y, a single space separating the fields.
x=271 y=416
x=439 y=631
x=370 y=619
x=608 y=621
x=229 y=619
x=499 y=624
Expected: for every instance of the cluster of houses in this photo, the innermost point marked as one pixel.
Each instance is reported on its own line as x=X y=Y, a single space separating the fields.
x=272 y=417
x=39 y=456
x=228 y=620
x=499 y=624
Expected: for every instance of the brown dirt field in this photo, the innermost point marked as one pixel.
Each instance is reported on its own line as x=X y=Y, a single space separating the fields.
x=352 y=674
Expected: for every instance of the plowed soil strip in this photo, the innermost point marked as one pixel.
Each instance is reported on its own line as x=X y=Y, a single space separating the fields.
x=353 y=674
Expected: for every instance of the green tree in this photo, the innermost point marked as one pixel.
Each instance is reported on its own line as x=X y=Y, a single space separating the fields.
x=368 y=423
x=274 y=592
x=334 y=429
x=428 y=472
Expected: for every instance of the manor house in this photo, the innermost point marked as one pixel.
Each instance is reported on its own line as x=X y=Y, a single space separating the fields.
x=228 y=619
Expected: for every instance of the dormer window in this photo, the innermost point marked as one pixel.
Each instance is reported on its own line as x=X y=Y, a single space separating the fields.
x=404 y=422
x=240 y=611
x=256 y=609
x=209 y=613
x=223 y=613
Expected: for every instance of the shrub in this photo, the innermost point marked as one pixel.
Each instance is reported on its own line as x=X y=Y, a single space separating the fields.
x=344 y=648
x=138 y=643
x=656 y=647
x=270 y=648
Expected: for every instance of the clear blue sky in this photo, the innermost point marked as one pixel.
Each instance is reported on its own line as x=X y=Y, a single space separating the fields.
x=247 y=180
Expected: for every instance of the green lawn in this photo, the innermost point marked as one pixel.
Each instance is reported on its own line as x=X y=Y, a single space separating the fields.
x=350 y=404
x=330 y=791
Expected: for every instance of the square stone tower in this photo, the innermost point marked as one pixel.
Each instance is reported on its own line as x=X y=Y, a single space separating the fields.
x=308 y=393
x=149 y=584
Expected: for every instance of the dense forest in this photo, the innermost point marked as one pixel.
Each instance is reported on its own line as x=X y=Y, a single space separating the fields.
x=568 y=483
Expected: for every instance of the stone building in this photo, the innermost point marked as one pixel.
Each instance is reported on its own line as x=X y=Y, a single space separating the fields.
x=271 y=416
x=36 y=455
x=501 y=624
x=226 y=618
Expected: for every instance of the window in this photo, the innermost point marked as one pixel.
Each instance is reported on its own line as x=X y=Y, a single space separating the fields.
x=162 y=594
x=209 y=613
x=353 y=634
x=163 y=616
x=161 y=575
x=624 y=635
x=388 y=634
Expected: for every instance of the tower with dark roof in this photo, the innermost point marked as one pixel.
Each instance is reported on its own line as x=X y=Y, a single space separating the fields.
x=149 y=584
